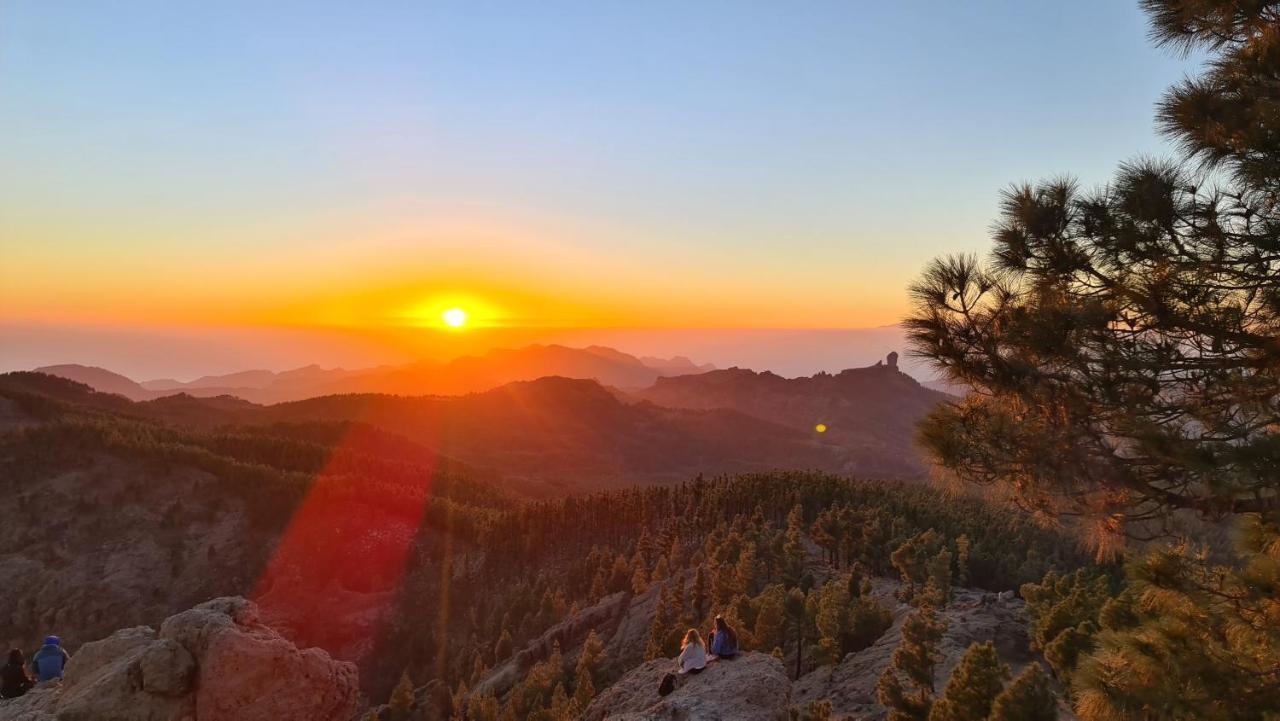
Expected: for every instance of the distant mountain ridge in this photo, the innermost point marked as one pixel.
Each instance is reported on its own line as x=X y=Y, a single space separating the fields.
x=548 y=436
x=466 y=374
x=99 y=379
x=576 y=434
x=585 y=429
x=874 y=409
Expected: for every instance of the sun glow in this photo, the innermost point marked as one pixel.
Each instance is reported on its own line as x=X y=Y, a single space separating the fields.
x=454 y=317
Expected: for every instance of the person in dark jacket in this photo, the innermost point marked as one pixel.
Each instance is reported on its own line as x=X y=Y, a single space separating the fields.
x=50 y=660
x=14 y=680
x=724 y=640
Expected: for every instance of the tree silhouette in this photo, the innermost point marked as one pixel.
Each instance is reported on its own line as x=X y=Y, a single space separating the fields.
x=1124 y=338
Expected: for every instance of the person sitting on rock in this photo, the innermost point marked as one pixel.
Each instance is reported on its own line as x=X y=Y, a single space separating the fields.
x=14 y=680
x=50 y=660
x=693 y=653
x=724 y=640
x=693 y=658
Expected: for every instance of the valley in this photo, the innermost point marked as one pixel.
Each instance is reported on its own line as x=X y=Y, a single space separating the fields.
x=402 y=553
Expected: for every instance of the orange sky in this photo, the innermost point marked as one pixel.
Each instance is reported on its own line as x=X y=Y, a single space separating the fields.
x=503 y=276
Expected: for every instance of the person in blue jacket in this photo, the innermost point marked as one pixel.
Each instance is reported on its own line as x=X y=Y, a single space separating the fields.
x=724 y=640
x=48 y=663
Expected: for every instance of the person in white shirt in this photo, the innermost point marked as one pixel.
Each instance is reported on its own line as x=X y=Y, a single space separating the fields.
x=693 y=653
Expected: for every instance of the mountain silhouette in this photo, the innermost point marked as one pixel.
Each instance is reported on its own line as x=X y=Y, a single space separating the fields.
x=872 y=412
x=546 y=436
x=467 y=374
x=100 y=379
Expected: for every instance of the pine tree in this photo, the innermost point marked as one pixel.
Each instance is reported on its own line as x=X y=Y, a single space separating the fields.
x=620 y=576
x=478 y=668
x=599 y=585
x=906 y=686
x=963 y=548
x=700 y=592
x=503 y=647
x=639 y=580
x=1189 y=639
x=723 y=584
x=939 y=574
x=793 y=548
x=584 y=688
x=771 y=617
x=799 y=623
x=676 y=607
x=1028 y=698
x=534 y=694
x=854 y=583
x=917 y=561
x=827 y=532
x=661 y=570
x=659 y=628
x=1062 y=610
x=973 y=686
x=745 y=571
x=482 y=708
x=1135 y=316
x=559 y=707
x=741 y=615
x=833 y=623
x=868 y=620
x=457 y=702
x=585 y=674
x=401 y=704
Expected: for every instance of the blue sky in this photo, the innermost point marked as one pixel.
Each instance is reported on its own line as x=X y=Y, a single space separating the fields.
x=823 y=151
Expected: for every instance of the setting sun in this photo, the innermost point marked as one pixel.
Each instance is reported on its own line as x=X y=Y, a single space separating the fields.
x=455 y=317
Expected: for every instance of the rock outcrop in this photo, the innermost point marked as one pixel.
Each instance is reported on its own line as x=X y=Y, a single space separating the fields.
x=621 y=620
x=972 y=616
x=214 y=662
x=764 y=686
x=751 y=687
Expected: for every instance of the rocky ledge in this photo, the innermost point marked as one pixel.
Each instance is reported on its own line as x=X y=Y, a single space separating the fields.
x=214 y=662
x=751 y=687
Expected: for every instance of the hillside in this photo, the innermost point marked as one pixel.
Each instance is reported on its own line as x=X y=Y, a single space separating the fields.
x=552 y=435
x=576 y=434
x=870 y=412
x=359 y=541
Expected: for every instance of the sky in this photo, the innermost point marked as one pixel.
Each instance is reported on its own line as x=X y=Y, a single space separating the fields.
x=246 y=173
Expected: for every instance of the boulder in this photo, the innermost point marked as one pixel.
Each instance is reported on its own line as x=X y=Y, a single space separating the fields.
x=252 y=675
x=214 y=662
x=167 y=668
x=751 y=687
